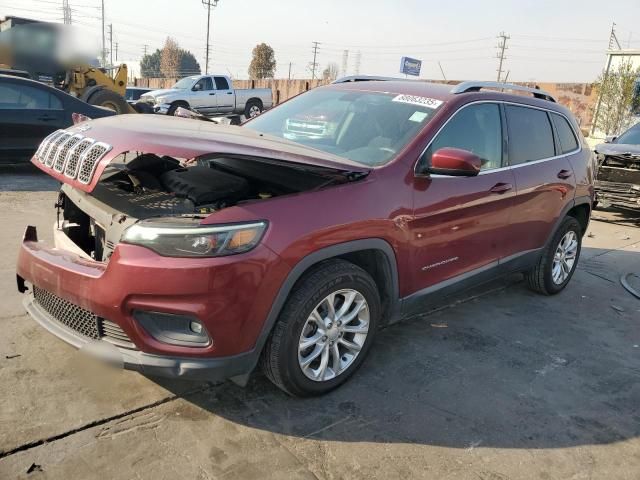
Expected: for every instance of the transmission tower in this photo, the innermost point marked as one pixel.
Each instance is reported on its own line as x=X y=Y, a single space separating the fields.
x=345 y=63
x=358 y=60
x=66 y=12
x=314 y=65
x=613 y=38
x=502 y=46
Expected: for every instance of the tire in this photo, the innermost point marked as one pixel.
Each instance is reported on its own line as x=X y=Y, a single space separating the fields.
x=109 y=99
x=253 y=108
x=281 y=358
x=174 y=106
x=541 y=278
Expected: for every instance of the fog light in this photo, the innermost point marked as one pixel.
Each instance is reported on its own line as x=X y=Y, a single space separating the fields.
x=173 y=329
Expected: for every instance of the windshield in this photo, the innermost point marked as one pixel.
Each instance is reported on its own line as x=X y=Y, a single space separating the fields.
x=630 y=137
x=184 y=83
x=367 y=127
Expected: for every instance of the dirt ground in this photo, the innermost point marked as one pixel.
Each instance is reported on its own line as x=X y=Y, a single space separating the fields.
x=503 y=384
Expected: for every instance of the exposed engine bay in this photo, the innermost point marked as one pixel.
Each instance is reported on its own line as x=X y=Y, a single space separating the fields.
x=618 y=181
x=144 y=186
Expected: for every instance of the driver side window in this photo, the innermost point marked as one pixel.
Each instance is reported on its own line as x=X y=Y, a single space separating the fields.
x=204 y=84
x=476 y=128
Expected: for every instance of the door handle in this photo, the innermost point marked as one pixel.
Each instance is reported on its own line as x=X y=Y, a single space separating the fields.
x=564 y=174
x=501 y=188
x=212 y=93
x=46 y=118
x=229 y=93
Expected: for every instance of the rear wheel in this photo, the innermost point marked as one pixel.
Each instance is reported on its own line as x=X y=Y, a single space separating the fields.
x=324 y=331
x=559 y=259
x=109 y=99
x=253 y=108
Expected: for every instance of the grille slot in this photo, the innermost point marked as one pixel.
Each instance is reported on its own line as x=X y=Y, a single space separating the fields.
x=61 y=157
x=55 y=146
x=80 y=320
x=44 y=144
x=71 y=170
x=90 y=160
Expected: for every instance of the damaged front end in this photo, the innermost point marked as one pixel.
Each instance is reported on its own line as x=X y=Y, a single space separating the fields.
x=618 y=179
x=157 y=188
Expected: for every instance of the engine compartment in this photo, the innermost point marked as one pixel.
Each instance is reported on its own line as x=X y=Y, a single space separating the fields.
x=143 y=186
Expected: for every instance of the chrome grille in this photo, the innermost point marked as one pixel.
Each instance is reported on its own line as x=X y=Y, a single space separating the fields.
x=90 y=160
x=42 y=148
x=55 y=146
x=71 y=170
x=61 y=156
x=80 y=320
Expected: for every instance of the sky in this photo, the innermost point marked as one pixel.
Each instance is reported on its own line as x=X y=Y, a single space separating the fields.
x=550 y=41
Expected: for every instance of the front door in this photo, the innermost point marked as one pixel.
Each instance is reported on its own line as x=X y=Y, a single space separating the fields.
x=460 y=224
x=203 y=97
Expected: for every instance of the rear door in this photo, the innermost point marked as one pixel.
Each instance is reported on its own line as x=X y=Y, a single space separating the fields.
x=460 y=224
x=224 y=95
x=28 y=113
x=543 y=174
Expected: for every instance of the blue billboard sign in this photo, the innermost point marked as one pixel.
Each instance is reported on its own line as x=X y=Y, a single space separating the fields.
x=410 y=66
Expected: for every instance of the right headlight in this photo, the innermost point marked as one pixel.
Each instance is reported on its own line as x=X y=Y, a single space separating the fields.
x=195 y=241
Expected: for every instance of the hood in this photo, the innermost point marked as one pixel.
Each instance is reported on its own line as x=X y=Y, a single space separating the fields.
x=104 y=139
x=159 y=93
x=619 y=149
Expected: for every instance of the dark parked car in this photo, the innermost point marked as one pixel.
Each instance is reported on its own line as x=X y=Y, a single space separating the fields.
x=132 y=94
x=30 y=110
x=199 y=250
x=618 y=178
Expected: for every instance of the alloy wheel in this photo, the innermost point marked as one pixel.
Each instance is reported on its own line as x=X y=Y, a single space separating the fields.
x=333 y=335
x=565 y=257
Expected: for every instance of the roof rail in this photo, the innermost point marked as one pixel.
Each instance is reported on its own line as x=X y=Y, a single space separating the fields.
x=366 y=78
x=465 y=87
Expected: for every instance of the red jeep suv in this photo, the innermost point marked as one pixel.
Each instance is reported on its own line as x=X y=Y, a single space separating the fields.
x=185 y=248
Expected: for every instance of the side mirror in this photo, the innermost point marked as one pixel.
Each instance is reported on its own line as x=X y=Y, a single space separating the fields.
x=197 y=87
x=610 y=138
x=455 y=162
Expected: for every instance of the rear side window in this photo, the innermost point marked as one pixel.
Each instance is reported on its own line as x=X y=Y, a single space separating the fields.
x=27 y=97
x=530 y=135
x=476 y=128
x=221 y=83
x=568 y=141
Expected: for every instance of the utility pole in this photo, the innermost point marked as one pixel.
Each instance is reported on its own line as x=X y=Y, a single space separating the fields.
x=104 y=52
x=208 y=4
x=290 y=70
x=116 y=51
x=314 y=64
x=502 y=46
x=111 y=44
x=356 y=68
x=442 y=71
x=66 y=12
x=144 y=50
x=345 y=62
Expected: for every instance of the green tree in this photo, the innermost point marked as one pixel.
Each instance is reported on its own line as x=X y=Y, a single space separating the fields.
x=617 y=98
x=188 y=64
x=263 y=63
x=150 y=65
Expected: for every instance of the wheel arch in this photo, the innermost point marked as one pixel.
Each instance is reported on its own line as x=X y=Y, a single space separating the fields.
x=364 y=253
x=255 y=100
x=581 y=211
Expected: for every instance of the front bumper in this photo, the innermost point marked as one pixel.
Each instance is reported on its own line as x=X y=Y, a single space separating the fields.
x=162 y=108
x=228 y=295
x=617 y=194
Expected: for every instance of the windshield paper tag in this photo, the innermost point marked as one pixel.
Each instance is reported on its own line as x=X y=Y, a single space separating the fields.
x=416 y=100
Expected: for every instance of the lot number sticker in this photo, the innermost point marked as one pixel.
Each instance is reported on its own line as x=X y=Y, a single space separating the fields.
x=416 y=100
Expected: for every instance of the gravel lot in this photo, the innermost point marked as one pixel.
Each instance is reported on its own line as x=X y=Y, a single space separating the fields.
x=503 y=384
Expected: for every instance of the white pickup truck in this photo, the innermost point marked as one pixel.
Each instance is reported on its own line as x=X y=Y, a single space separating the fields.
x=209 y=95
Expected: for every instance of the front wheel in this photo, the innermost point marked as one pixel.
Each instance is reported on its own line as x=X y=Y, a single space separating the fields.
x=559 y=260
x=324 y=331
